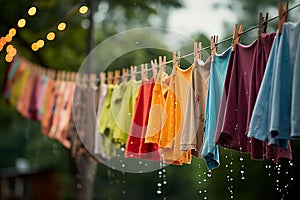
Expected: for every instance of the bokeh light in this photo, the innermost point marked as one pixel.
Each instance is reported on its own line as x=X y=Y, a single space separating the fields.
x=50 y=36
x=12 y=32
x=62 y=26
x=34 y=47
x=83 y=9
x=8 y=38
x=32 y=11
x=8 y=58
x=21 y=23
x=40 y=43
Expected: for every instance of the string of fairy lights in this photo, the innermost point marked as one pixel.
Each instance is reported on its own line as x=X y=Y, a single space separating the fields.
x=6 y=41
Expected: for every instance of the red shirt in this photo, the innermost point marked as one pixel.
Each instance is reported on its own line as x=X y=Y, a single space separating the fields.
x=136 y=146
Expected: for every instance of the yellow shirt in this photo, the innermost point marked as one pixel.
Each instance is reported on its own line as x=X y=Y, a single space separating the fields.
x=156 y=112
x=174 y=112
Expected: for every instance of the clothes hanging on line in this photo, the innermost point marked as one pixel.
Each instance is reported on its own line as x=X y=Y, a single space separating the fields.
x=189 y=112
x=275 y=116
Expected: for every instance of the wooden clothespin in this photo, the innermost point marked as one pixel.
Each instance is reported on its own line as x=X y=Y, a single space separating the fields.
x=63 y=75
x=102 y=78
x=154 y=69
x=109 y=77
x=58 y=75
x=116 y=77
x=236 y=37
x=146 y=71
x=200 y=50
x=143 y=71
x=196 y=53
x=133 y=72
x=178 y=58
x=160 y=61
x=175 y=62
x=124 y=75
x=73 y=76
x=84 y=80
x=262 y=24
x=213 y=47
x=164 y=61
x=282 y=15
x=92 y=81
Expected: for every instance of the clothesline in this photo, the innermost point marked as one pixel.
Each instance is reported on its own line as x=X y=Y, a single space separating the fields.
x=225 y=40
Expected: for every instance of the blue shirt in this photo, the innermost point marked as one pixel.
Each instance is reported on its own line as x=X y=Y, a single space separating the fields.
x=218 y=70
x=285 y=107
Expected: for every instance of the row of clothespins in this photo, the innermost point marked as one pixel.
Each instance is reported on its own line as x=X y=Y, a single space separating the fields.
x=113 y=77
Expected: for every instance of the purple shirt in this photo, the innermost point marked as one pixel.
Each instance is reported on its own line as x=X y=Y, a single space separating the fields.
x=244 y=75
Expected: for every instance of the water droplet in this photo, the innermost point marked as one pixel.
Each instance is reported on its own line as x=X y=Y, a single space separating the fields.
x=158 y=184
x=159 y=172
x=137 y=43
x=292 y=178
x=140 y=162
x=204 y=197
x=241 y=159
x=199 y=182
x=231 y=197
x=204 y=191
x=204 y=180
x=123 y=165
x=164 y=182
x=158 y=192
x=231 y=171
x=209 y=173
x=226 y=165
x=199 y=191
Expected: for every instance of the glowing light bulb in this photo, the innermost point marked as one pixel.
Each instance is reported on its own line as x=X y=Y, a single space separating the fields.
x=8 y=58
x=13 y=52
x=21 y=23
x=32 y=11
x=8 y=38
x=83 y=9
x=12 y=32
x=62 y=26
x=50 y=36
x=9 y=47
x=34 y=47
x=40 y=43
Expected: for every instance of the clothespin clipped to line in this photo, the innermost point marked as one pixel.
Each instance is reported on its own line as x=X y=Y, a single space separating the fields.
x=214 y=46
x=109 y=77
x=124 y=75
x=176 y=60
x=84 y=80
x=282 y=15
x=116 y=77
x=262 y=25
x=144 y=71
x=197 y=52
x=154 y=69
x=92 y=81
x=236 y=37
x=102 y=78
x=133 y=70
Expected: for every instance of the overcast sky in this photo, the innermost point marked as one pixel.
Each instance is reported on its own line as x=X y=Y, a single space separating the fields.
x=200 y=16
